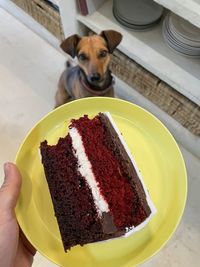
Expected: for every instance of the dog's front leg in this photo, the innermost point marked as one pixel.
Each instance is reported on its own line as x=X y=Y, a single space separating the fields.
x=62 y=96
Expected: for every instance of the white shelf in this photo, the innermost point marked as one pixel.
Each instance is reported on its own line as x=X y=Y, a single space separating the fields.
x=148 y=49
x=188 y=9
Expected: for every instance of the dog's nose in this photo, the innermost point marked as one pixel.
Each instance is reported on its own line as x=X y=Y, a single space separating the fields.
x=95 y=77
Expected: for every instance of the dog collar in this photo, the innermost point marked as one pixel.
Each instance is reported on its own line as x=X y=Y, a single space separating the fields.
x=96 y=92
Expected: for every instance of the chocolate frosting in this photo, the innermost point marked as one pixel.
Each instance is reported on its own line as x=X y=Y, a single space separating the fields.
x=108 y=224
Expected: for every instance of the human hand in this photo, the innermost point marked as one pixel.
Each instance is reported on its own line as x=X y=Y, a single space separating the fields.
x=15 y=250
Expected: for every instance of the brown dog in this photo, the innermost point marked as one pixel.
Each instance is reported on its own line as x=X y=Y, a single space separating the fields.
x=91 y=77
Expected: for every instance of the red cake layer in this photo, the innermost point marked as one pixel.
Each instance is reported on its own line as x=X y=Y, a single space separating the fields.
x=114 y=182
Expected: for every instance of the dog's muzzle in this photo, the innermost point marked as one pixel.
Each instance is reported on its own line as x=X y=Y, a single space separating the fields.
x=94 y=78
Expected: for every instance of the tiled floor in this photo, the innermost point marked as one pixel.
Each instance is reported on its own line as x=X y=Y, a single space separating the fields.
x=29 y=70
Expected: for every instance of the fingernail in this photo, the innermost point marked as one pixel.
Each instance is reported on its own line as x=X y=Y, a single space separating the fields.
x=6 y=168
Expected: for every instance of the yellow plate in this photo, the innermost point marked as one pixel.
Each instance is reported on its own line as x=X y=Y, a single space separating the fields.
x=158 y=158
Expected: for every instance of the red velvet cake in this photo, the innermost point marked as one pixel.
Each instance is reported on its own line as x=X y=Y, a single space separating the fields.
x=95 y=186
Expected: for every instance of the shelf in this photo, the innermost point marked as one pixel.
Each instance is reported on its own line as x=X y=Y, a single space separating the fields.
x=149 y=50
x=188 y=9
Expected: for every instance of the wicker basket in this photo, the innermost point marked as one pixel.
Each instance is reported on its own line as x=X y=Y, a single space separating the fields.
x=44 y=13
x=165 y=97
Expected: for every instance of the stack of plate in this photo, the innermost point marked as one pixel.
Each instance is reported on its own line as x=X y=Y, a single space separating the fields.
x=137 y=14
x=181 y=36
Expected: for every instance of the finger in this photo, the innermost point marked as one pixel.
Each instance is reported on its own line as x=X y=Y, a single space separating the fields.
x=9 y=191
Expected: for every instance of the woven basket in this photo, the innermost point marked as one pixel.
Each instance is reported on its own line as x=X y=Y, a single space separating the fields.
x=165 y=97
x=44 y=13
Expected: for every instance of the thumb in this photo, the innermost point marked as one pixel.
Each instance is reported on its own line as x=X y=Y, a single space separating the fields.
x=10 y=188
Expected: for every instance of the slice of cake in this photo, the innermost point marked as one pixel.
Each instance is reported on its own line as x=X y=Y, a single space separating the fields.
x=95 y=186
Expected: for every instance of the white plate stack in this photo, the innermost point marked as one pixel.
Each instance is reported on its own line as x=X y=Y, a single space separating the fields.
x=137 y=14
x=181 y=36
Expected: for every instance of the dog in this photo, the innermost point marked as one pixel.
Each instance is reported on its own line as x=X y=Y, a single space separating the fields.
x=91 y=76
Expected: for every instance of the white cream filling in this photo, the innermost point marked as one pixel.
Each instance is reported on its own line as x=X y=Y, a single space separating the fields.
x=149 y=201
x=85 y=169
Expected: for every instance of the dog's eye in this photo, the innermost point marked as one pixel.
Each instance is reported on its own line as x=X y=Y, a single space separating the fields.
x=103 y=53
x=82 y=57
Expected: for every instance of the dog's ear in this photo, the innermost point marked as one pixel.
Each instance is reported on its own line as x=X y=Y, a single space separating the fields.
x=113 y=38
x=69 y=45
